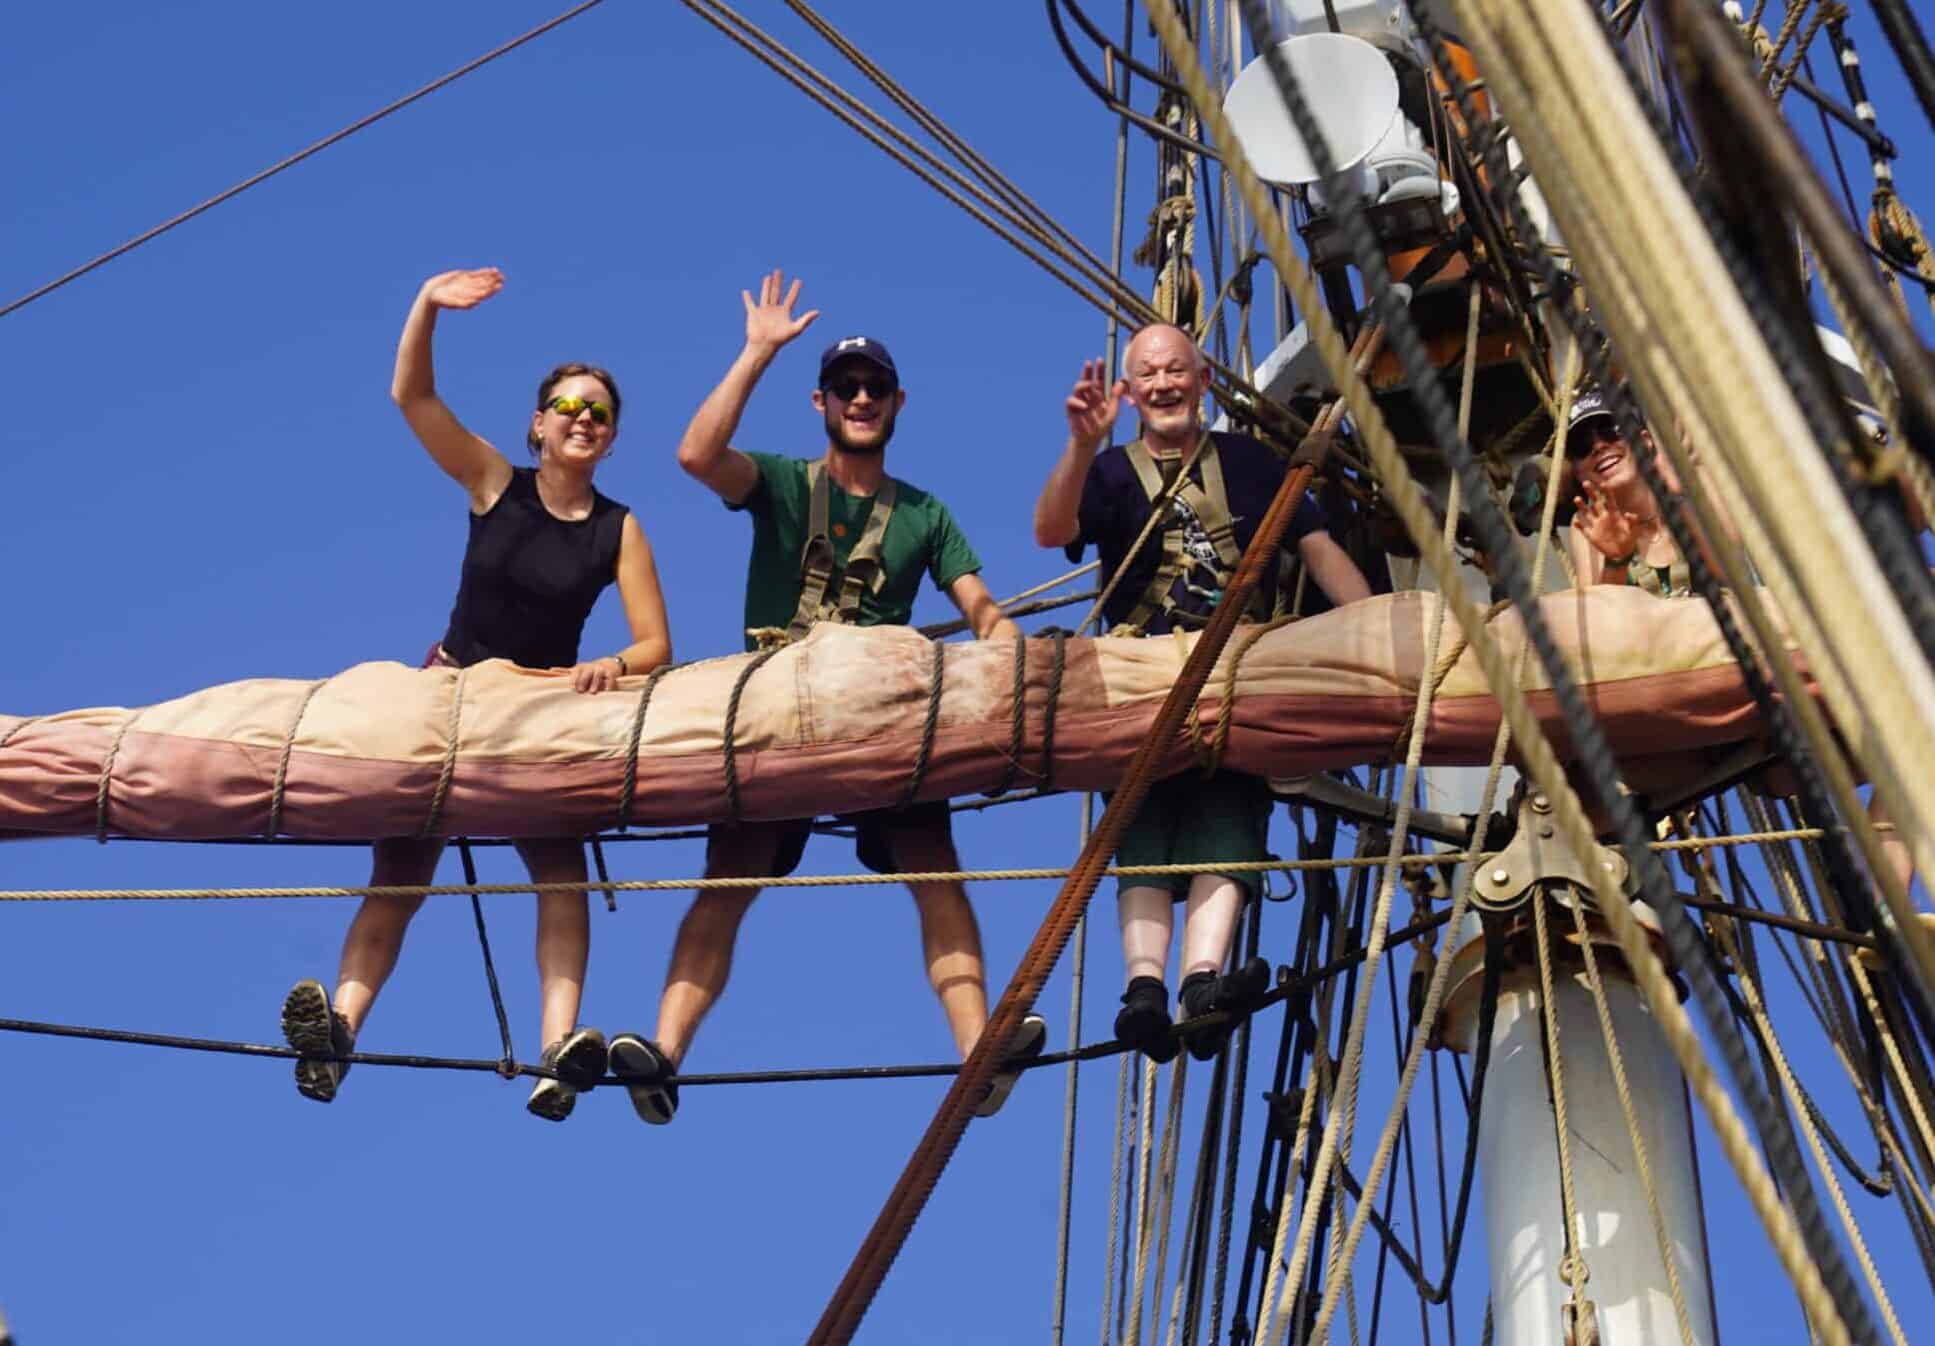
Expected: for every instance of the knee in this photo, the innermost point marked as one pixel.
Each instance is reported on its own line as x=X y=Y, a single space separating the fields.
x=387 y=914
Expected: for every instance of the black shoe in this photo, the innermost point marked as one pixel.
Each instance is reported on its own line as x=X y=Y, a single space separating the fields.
x=1026 y=1045
x=579 y=1061
x=313 y=1027
x=1197 y=998
x=647 y=1074
x=1143 y=1022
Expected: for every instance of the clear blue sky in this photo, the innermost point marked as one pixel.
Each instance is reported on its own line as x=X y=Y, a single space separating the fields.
x=206 y=481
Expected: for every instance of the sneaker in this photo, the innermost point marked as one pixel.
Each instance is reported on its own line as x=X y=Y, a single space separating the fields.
x=579 y=1061
x=1144 y=1023
x=311 y=1025
x=1026 y=1045
x=1197 y=998
x=642 y=1066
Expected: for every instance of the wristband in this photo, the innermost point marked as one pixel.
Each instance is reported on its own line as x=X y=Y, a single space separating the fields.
x=624 y=669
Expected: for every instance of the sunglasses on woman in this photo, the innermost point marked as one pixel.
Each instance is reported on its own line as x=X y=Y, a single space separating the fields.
x=601 y=413
x=1598 y=430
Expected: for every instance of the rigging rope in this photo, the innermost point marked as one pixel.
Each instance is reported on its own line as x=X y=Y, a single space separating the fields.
x=298 y=157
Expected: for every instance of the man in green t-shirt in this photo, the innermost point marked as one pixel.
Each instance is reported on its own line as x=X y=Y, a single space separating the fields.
x=834 y=539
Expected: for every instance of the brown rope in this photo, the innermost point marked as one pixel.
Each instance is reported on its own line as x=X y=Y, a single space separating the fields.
x=442 y=792
x=282 y=763
x=629 y=790
x=107 y=774
x=1442 y=670
x=929 y=726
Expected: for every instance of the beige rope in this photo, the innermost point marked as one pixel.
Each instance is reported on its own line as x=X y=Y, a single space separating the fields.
x=102 y=787
x=1341 y=1121
x=1572 y=1264
x=1705 y=360
x=1750 y=993
x=1825 y=13
x=1412 y=860
x=1461 y=900
x=1540 y=760
x=14 y=732
x=1668 y=1259
x=274 y=827
x=442 y=791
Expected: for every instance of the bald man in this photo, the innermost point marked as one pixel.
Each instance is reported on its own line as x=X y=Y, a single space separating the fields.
x=1104 y=497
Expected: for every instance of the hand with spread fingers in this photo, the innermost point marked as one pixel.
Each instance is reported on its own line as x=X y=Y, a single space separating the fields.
x=1613 y=532
x=463 y=289
x=770 y=323
x=1093 y=405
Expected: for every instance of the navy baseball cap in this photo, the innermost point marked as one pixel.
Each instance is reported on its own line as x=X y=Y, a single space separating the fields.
x=858 y=348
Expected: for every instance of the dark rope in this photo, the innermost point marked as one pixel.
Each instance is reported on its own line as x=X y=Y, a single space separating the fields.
x=1017 y=722
x=753 y=665
x=507 y=1064
x=628 y=792
x=929 y=726
x=297 y=157
x=604 y=874
x=1055 y=670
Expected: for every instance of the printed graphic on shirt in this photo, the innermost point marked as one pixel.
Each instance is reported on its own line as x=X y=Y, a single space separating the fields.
x=1199 y=586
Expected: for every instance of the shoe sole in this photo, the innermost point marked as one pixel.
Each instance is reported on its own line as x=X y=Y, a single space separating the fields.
x=653 y=1101
x=552 y=1100
x=1029 y=1039
x=582 y=1062
x=307 y=1026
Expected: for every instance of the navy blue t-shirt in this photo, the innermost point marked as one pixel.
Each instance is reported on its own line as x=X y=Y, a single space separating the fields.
x=1114 y=507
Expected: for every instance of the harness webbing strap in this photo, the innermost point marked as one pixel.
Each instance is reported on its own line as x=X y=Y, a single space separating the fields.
x=864 y=572
x=1210 y=503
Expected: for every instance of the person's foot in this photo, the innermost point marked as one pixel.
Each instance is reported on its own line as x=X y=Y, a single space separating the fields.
x=1197 y=998
x=1026 y=1045
x=642 y=1066
x=579 y=1060
x=1143 y=1022
x=313 y=1027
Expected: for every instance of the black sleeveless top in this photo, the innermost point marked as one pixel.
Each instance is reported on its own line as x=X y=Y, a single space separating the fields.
x=530 y=578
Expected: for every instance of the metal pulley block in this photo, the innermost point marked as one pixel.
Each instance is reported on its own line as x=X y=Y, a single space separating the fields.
x=1539 y=855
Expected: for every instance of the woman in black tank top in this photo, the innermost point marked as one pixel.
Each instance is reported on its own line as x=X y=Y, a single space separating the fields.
x=543 y=545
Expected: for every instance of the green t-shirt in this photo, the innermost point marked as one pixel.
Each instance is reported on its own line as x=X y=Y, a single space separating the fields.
x=921 y=536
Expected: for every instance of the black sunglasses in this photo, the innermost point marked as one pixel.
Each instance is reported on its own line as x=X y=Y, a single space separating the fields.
x=1599 y=430
x=879 y=387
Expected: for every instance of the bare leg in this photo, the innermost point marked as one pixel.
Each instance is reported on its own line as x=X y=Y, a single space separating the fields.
x=1209 y=922
x=563 y=934
x=701 y=963
x=950 y=940
x=1147 y=916
x=375 y=936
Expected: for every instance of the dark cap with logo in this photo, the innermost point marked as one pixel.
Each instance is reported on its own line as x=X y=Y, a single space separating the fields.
x=858 y=348
x=1589 y=402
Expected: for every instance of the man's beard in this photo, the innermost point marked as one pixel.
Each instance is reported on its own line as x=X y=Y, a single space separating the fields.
x=836 y=431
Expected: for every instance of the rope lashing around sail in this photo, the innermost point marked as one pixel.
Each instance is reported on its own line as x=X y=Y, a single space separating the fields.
x=276 y=791
x=930 y=725
x=449 y=769
x=102 y=788
x=628 y=791
x=730 y=747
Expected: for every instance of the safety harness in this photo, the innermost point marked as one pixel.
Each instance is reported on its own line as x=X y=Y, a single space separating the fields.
x=1211 y=504
x=864 y=572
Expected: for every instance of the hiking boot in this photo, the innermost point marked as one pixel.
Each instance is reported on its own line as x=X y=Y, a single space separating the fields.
x=579 y=1061
x=642 y=1066
x=1026 y=1045
x=1144 y=1023
x=311 y=1025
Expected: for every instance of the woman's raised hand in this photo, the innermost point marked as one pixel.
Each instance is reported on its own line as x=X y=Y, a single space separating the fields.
x=770 y=323
x=1093 y=406
x=463 y=289
x=1613 y=532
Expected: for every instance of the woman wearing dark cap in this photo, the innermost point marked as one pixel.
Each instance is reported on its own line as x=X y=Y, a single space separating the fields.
x=543 y=545
x=1617 y=535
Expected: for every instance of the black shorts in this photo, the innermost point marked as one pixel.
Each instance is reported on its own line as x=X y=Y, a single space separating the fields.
x=921 y=834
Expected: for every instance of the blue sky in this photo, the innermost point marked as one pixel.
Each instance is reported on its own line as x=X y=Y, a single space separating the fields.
x=206 y=481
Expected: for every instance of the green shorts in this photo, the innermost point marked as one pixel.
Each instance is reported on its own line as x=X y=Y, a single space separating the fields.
x=1194 y=820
